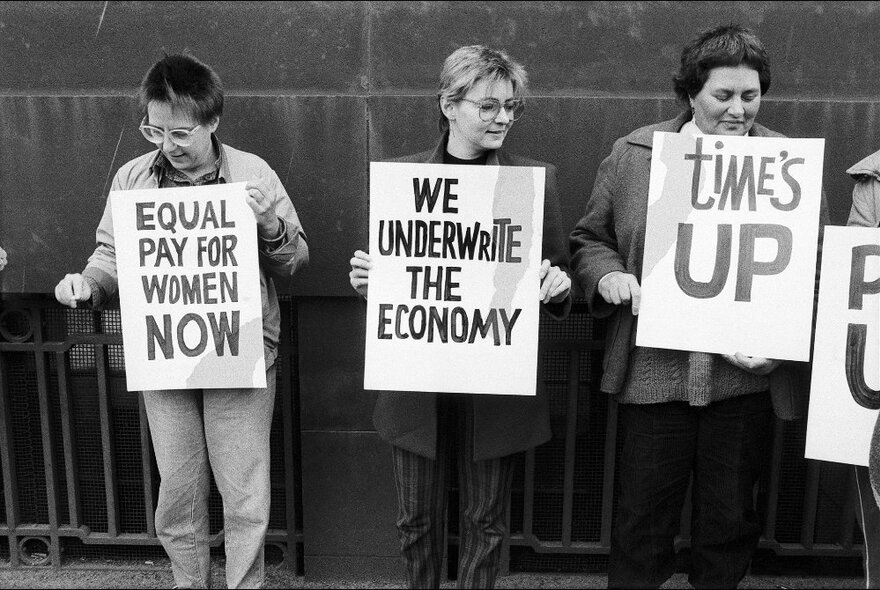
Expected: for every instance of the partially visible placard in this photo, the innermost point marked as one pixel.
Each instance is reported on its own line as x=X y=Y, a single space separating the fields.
x=846 y=356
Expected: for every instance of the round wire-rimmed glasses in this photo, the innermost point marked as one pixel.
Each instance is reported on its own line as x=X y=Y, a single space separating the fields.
x=488 y=108
x=181 y=137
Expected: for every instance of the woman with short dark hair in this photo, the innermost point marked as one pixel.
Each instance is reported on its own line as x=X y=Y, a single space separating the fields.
x=200 y=432
x=682 y=414
x=480 y=96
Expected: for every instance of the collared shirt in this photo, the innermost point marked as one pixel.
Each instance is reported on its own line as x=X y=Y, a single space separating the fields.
x=279 y=262
x=690 y=128
x=169 y=176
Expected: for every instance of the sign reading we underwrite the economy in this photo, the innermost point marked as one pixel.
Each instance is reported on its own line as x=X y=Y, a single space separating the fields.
x=845 y=385
x=189 y=288
x=730 y=245
x=453 y=293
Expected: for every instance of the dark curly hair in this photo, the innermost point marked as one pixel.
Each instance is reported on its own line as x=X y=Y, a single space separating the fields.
x=184 y=82
x=726 y=45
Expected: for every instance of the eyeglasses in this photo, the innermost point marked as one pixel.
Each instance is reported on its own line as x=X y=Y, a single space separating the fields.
x=488 y=108
x=182 y=137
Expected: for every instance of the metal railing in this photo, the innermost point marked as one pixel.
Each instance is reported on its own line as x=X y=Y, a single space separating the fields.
x=76 y=464
x=809 y=508
x=75 y=450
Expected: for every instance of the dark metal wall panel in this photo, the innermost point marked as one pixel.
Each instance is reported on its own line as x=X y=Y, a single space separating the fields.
x=51 y=47
x=817 y=48
x=319 y=89
x=58 y=155
x=349 y=503
x=331 y=366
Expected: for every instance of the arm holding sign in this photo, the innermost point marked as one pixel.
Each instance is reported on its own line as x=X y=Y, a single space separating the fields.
x=597 y=261
x=98 y=282
x=359 y=276
x=283 y=247
x=555 y=292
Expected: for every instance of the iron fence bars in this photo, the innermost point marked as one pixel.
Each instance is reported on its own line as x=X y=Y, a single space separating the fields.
x=76 y=460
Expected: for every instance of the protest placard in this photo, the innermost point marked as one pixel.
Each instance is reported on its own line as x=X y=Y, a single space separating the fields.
x=846 y=356
x=730 y=245
x=453 y=294
x=189 y=287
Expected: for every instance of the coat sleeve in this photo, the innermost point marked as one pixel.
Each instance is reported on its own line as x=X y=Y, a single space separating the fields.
x=554 y=247
x=865 y=211
x=283 y=257
x=100 y=270
x=593 y=242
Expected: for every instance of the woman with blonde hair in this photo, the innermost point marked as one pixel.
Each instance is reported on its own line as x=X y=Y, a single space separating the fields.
x=481 y=95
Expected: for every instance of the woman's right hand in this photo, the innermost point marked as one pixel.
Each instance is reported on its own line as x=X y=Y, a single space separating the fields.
x=359 y=277
x=72 y=288
x=620 y=288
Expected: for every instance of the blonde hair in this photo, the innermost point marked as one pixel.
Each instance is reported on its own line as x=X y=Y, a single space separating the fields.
x=468 y=65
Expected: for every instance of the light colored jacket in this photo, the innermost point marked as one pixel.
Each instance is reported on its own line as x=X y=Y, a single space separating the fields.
x=865 y=211
x=235 y=166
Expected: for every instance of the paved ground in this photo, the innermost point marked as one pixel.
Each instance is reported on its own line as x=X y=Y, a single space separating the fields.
x=114 y=575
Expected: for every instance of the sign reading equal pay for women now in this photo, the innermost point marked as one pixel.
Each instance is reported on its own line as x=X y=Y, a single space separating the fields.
x=453 y=291
x=730 y=245
x=189 y=288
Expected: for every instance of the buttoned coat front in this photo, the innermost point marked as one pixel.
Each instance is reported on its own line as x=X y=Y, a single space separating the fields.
x=503 y=424
x=611 y=237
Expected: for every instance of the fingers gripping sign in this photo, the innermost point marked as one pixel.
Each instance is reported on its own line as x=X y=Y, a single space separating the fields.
x=555 y=283
x=752 y=364
x=361 y=263
x=259 y=199
x=72 y=289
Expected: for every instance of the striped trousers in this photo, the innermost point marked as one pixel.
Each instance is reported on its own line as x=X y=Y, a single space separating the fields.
x=869 y=517
x=422 y=498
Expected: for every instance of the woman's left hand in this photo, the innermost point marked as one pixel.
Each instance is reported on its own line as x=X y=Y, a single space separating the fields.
x=752 y=364
x=260 y=201
x=2 y=258
x=555 y=283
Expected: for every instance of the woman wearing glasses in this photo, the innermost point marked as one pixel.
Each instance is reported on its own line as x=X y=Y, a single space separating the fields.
x=183 y=101
x=480 y=97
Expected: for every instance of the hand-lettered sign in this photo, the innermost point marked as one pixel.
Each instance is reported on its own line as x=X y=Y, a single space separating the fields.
x=453 y=293
x=189 y=287
x=845 y=387
x=730 y=245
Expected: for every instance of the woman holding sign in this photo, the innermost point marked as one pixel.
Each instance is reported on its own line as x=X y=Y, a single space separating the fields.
x=865 y=212
x=196 y=432
x=481 y=95
x=682 y=414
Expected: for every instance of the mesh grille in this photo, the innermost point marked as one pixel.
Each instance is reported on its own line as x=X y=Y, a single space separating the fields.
x=579 y=338
x=125 y=452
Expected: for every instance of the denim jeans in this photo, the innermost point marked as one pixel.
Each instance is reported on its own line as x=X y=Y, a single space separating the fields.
x=226 y=431
x=724 y=446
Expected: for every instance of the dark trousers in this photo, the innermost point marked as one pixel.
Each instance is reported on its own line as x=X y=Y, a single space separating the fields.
x=724 y=446
x=422 y=497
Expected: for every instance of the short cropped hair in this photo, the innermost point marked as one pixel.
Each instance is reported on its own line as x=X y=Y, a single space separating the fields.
x=468 y=65
x=185 y=83
x=726 y=45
